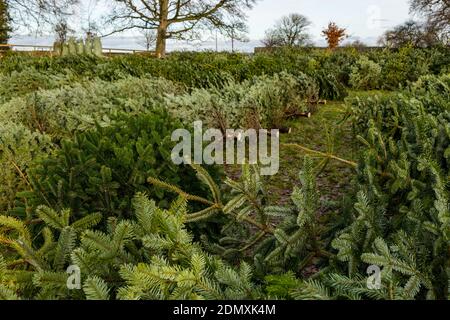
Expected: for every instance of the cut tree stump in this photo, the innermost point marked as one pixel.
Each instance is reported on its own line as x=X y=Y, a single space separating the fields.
x=305 y=114
x=285 y=130
x=299 y=115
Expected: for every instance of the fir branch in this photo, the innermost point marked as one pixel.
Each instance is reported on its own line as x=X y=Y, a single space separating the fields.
x=96 y=289
x=320 y=154
x=178 y=191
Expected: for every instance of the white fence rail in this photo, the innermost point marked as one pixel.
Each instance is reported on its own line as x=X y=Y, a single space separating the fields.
x=42 y=48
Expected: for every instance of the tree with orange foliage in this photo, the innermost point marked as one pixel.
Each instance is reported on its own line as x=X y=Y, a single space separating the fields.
x=334 y=35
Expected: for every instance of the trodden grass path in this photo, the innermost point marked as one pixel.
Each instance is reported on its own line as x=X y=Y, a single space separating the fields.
x=325 y=128
x=327 y=133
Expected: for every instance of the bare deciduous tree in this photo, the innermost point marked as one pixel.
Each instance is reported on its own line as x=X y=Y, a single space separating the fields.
x=62 y=31
x=289 y=31
x=437 y=13
x=359 y=44
x=149 y=37
x=178 y=19
x=236 y=31
x=87 y=11
x=410 y=33
x=32 y=13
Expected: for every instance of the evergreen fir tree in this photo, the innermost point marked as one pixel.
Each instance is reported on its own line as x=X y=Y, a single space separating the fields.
x=150 y=257
x=5 y=23
x=293 y=244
